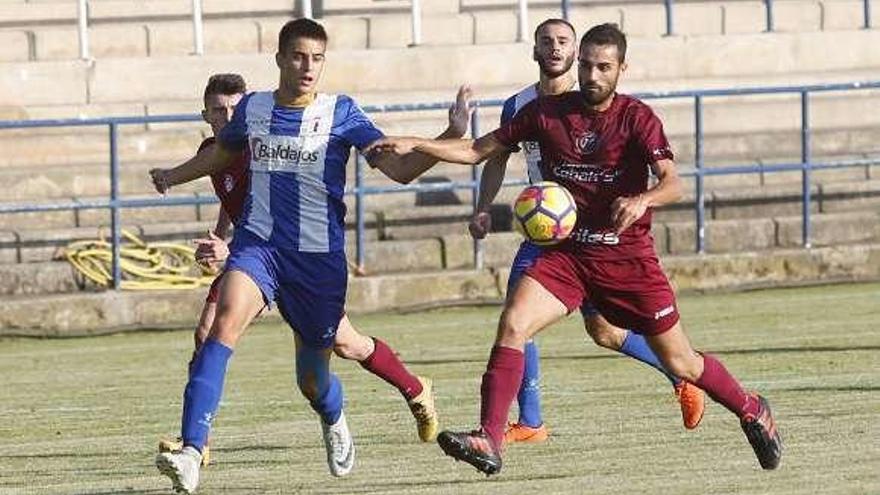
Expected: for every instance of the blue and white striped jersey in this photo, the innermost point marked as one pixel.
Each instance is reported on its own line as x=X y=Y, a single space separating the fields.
x=512 y=106
x=297 y=167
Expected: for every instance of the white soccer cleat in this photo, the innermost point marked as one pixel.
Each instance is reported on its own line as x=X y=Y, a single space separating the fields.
x=339 y=445
x=182 y=467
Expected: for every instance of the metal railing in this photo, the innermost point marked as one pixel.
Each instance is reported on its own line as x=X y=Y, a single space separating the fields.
x=305 y=10
x=360 y=190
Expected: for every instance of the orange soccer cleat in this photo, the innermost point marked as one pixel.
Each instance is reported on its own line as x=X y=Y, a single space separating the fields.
x=692 y=400
x=520 y=433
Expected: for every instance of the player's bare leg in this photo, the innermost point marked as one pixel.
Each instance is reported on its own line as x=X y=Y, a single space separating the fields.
x=530 y=309
x=240 y=301
x=675 y=351
x=690 y=398
x=378 y=358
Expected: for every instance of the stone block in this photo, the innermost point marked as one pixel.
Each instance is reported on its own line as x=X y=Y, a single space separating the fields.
x=702 y=18
x=769 y=201
x=840 y=15
x=394 y=31
x=797 y=16
x=220 y=37
x=38 y=278
x=830 y=229
x=743 y=17
x=8 y=247
x=15 y=46
x=36 y=83
x=400 y=256
x=850 y=196
x=725 y=236
x=414 y=290
x=497 y=27
x=424 y=222
x=643 y=20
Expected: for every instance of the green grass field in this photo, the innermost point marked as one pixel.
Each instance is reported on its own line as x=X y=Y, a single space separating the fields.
x=84 y=415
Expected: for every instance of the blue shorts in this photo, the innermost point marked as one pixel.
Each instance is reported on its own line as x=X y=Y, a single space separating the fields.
x=309 y=288
x=525 y=258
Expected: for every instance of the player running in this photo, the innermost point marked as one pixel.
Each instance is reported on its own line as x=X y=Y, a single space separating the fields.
x=221 y=95
x=289 y=244
x=598 y=144
x=554 y=51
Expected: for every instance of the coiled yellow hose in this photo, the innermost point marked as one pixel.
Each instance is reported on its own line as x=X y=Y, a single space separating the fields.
x=156 y=266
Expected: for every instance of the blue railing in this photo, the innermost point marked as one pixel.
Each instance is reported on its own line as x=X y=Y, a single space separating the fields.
x=114 y=203
x=669 y=8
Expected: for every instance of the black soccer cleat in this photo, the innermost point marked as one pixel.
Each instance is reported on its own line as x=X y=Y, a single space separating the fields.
x=473 y=448
x=763 y=435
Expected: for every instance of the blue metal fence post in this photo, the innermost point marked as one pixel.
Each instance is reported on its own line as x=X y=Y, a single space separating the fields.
x=700 y=196
x=475 y=189
x=806 y=159
x=359 y=210
x=669 y=21
x=866 y=6
x=566 y=9
x=768 y=9
x=114 y=204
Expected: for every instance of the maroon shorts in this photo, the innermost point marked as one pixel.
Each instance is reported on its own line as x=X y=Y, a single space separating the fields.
x=633 y=294
x=214 y=291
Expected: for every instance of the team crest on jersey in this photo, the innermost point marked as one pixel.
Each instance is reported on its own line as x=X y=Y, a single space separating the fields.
x=587 y=142
x=228 y=182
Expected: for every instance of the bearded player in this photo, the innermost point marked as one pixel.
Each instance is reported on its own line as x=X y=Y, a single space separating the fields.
x=600 y=145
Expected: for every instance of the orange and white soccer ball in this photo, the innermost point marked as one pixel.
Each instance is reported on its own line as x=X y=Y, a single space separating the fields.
x=545 y=213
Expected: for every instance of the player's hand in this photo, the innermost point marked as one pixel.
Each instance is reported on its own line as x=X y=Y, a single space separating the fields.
x=460 y=112
x=212 y=250
x=480 y=225
x=395 y=145
x=160 y=180
x=626 y=210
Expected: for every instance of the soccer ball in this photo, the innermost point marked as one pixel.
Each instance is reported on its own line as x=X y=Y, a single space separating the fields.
x=545 y=213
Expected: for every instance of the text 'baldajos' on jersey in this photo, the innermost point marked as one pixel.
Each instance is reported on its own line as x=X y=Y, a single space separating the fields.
x=297 y=167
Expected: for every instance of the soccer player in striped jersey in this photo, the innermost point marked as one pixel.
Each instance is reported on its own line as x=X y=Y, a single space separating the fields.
x=221 y=95
x=554 y=51
x=601 y=146
x=288 y=247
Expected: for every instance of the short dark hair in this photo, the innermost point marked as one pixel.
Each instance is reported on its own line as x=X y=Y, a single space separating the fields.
x=300 y=28
x=605 y=35
x=225 y=84
x=553 y=21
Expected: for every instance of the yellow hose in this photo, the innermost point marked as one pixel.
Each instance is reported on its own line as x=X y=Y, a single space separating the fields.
x=144 y=266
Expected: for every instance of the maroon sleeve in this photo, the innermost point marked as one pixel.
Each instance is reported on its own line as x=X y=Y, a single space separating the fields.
x=522 y=127
x=648 y=131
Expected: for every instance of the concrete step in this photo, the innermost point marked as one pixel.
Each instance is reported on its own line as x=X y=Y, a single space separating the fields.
x=76 y=314
x=437 y=67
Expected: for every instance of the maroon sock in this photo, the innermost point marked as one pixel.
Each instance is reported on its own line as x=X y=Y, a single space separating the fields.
x=500 y=385
x=385 y=364
x=724 y=389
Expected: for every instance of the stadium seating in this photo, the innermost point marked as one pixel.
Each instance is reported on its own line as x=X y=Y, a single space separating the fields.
x=142 y=66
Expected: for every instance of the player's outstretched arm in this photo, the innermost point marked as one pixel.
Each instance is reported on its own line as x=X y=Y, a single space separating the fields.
x=406 y=167
x=210 y=160
x=669 y=189
x=465 y=151
x=490 y=183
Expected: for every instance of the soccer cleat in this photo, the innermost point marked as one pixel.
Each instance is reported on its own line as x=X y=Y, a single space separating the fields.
x=693 y=403
x=522 y=433
x=339 y=445
x=763 y=435
x=422 y=408
x=473 y=448
x=175 y=445
x=182 y=468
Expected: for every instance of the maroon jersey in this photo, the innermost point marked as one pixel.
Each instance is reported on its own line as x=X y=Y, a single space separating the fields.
x=231 y=184
x=597 y=156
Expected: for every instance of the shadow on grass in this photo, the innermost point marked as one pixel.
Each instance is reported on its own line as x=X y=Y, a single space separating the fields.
x=614 y=355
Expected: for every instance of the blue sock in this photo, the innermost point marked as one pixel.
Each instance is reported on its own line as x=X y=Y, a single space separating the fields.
x=637 y=347
x=313 y=363
x=202 y=395
x=529 y=396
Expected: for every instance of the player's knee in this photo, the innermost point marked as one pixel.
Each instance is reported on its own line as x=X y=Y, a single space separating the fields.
x=605 y=336
x=683 y=366
x=513 y=329
x=353 y=347
x=308 y=385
